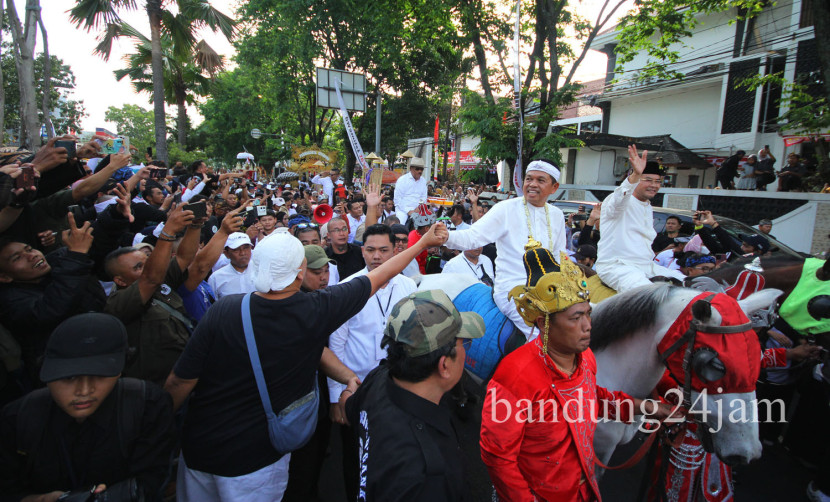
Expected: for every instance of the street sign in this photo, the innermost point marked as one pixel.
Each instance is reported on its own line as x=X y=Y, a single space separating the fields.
x=256 y=133
x=352 y=88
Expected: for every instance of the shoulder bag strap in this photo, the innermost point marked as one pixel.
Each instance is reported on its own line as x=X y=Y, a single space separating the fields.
x=253 y=354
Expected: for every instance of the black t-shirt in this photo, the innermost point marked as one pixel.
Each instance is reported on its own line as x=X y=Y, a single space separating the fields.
x=349 y=262
x=225 y=431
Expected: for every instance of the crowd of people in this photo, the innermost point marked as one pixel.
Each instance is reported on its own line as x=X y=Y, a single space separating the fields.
x=174 y=331
x=755 y=172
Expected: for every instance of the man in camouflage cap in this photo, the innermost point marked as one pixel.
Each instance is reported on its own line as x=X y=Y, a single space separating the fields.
x=408 y=446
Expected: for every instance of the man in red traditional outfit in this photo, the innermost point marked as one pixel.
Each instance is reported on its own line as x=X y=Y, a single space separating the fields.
x=543 y=401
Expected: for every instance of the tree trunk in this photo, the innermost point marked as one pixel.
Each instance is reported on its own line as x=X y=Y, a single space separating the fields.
x=24 y=49
x=46 y=103
x=160 y=119
x=181 y=117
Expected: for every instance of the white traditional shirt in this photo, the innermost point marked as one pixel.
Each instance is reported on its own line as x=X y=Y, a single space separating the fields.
x=409 y=192
x=228 y=281
x=326 y=183
x=357 y=342
x=353 y=224
x=506 y=225
x=462 y=265
x=627 y=229
x=666 y=259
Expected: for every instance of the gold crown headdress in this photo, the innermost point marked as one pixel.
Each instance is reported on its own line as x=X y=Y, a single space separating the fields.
x=550 y=287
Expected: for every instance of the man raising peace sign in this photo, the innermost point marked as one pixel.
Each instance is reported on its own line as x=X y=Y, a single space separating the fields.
x=624 y=258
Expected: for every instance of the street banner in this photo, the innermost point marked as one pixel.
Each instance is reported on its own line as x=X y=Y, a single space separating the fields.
x=347 y=123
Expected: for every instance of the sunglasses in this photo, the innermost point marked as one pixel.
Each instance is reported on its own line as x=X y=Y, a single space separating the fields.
x=307 y=225
x=418 y=168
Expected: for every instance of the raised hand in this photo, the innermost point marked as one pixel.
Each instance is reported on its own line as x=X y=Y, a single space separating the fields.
x=437 y=235
x=638 y=163
x=372 y=194
x=177 y=220
x=78 y=240
x=123 y=202
x=232 y=222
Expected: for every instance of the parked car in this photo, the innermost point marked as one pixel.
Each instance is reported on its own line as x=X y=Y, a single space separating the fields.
x=733 y=227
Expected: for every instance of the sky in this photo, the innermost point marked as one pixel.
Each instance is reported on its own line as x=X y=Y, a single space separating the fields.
x=97 y=87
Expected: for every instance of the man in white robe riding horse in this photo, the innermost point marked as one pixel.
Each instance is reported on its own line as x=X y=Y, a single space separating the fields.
x=625 y=259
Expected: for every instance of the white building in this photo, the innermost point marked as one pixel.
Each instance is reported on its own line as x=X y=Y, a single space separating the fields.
x=704 y=112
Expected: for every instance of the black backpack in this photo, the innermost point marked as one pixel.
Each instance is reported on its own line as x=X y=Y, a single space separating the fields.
x=34 y=412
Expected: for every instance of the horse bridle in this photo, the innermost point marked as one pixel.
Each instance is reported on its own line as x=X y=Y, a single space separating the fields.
x=703 y=362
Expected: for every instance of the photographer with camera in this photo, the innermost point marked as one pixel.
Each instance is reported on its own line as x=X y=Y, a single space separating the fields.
x=89 y=435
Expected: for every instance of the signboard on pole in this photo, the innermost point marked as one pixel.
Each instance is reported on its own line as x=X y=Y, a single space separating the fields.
x=352 y=90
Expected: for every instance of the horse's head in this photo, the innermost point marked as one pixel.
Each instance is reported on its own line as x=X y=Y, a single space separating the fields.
x=713 y=352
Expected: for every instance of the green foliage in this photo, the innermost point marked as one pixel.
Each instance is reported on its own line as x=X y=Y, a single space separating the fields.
x=177 y=153
x=134 y=122
x=658 y=27
x=63 y=83
x=407 y=50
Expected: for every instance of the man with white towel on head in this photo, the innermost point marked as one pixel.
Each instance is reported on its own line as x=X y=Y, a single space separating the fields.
x=511 y=224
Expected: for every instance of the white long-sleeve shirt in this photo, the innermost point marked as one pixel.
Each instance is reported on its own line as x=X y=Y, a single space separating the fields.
x=409 y=192
x=353 y=224
x=506 y=225
x=462 y=265
x=328 y=186
x=627 y=229
x=357 y=342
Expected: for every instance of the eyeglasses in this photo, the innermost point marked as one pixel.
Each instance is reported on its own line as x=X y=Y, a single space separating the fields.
x=338 y=230
x=418 y=168
x=653 y=181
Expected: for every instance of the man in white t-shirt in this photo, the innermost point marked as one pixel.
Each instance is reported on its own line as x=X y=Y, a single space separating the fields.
x=327 y=179
x=625 y=259
x=410 y=190
x=357 y=342
x=472 y=263
x=354 y=212
x=232 y=278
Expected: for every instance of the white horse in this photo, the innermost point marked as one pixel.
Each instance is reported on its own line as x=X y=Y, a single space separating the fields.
x=626 y=330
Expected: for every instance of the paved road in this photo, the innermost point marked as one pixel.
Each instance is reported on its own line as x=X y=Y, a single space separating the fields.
x=774 y=478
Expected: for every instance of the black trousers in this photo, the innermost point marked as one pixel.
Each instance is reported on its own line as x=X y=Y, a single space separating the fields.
x=307 y=462
x=351 y=461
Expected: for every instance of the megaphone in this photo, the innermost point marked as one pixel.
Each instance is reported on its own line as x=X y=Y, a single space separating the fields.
x=323 y=213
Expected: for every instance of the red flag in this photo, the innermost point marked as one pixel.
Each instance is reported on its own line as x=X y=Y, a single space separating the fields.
x=436 y=130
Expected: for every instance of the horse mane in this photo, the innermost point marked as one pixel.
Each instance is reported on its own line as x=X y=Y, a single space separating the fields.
x=621 y=315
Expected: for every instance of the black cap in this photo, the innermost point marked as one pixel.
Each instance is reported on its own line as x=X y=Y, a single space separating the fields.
x=586 y=251
x=538 y=262
x=86 y=344
x=653 y=167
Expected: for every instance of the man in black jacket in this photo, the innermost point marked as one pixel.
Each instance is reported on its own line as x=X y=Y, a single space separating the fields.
x=38 y=292
x=89 y=430
x=729 y=169
x=408 y=446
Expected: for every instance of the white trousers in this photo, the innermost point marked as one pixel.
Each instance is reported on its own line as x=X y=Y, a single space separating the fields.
x=265 y=485
x=622 y=277
x=508 y=308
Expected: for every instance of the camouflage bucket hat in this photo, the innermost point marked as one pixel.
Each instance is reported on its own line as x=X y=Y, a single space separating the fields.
x=427 y=320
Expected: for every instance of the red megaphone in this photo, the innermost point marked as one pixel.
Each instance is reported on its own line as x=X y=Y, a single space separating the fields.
x=323 y=213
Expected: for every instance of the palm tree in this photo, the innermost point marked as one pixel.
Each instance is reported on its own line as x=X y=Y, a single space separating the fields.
x=183 y=78
x=182 y=29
